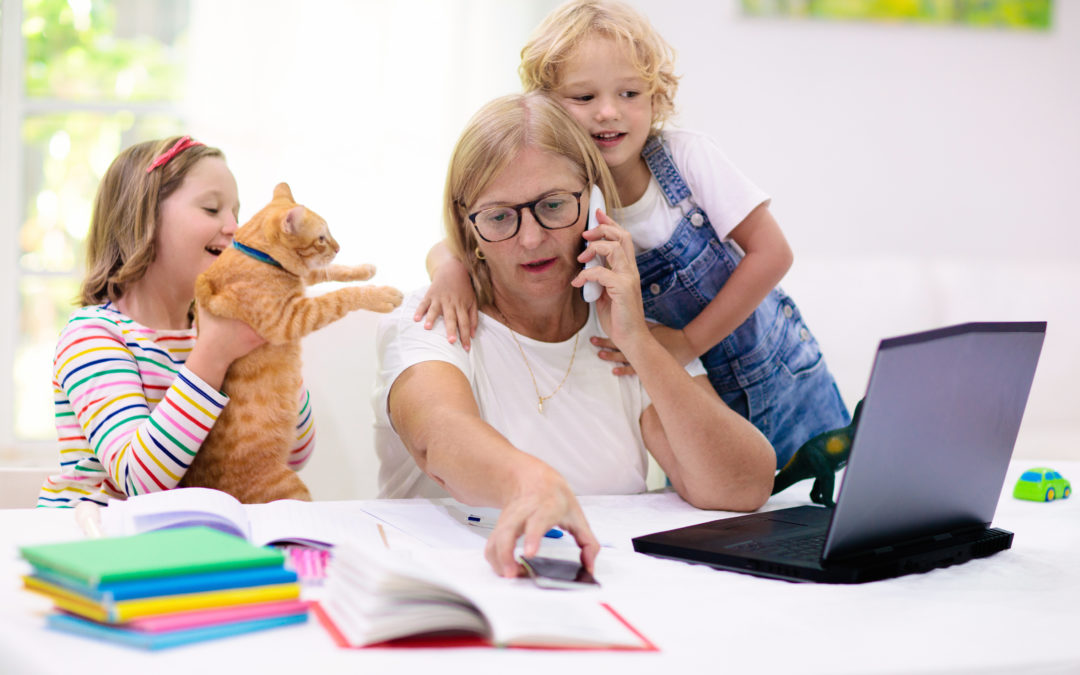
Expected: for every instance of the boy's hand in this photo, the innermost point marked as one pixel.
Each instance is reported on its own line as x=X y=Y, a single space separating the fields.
x=450 y=296
x=675 y=341
x=609 y=352
x=672 y=339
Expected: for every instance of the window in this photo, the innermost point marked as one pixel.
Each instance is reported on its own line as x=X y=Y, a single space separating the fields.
x=333 y=98
x=82 y=79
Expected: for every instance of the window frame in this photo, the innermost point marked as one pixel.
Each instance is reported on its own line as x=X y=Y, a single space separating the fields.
x=12 y=113
x=16 y=109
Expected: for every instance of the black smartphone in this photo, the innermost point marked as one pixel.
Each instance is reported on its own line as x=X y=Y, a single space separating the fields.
x=558 y=574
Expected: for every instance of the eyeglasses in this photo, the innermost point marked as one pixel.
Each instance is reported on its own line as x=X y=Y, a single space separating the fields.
x=553 y=212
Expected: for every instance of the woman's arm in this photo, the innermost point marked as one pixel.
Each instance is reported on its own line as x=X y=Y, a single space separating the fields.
x=714 y=458
x=434 y=413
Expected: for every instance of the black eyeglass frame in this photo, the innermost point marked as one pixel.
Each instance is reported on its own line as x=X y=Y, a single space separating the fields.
x=532 y=209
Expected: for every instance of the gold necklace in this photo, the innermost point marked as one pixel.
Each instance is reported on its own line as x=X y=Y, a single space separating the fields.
x=540 y=398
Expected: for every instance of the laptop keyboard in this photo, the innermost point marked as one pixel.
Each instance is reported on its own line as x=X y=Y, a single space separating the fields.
x=799 y=548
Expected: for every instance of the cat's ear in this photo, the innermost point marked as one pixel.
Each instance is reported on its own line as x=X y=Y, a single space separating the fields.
x=295 y=216
x=282 y=191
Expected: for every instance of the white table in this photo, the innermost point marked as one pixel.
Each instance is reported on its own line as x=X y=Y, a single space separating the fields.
x=1016 y=611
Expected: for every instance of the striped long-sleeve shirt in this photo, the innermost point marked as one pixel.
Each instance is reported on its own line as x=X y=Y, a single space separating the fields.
x=130 y=416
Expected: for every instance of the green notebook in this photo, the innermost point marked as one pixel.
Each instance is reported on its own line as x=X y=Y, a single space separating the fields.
x=185 y=550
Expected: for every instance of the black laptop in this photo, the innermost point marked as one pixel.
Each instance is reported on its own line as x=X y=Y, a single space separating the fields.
x=934 y=440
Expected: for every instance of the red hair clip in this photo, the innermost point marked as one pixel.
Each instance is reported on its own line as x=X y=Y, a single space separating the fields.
x=181 y=145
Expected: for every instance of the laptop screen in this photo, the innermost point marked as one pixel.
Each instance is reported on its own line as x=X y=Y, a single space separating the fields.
x=940 y=418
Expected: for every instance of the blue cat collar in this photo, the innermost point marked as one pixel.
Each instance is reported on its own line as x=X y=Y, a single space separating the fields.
x=255 y=253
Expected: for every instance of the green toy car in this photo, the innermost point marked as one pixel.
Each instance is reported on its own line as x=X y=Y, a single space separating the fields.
x=1042 y=485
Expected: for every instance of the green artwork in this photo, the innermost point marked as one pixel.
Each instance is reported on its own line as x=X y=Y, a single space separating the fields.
x=1019 y=14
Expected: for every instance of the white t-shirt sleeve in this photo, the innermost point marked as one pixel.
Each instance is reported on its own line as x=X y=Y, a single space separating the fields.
x=402 y=343
x=718 y=186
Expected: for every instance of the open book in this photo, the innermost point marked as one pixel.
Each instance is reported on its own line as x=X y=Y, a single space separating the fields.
x=285 y=521
x=377 y=598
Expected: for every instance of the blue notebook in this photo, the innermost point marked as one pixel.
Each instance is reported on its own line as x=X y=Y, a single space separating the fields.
x=162 y=640
x=187 y=583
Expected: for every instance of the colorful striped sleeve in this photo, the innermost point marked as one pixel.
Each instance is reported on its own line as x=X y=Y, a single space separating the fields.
x=305 y=433
x=140 y=413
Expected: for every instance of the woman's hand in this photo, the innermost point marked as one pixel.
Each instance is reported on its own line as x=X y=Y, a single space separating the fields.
x=546 y=503
x=451 y=296
x=221 y=341
x=621 y=313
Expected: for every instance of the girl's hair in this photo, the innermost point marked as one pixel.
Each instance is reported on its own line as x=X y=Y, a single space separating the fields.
x=490 y=142
x=121 y=242
x=555 y=40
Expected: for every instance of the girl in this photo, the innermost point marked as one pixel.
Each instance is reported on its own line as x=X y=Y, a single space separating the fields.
x=135 y=392
x=709 y=252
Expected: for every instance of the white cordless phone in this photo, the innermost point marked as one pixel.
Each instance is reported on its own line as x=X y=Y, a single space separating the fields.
x=591 y=290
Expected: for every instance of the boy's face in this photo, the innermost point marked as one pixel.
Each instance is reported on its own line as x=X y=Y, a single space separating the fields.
x=605 y=93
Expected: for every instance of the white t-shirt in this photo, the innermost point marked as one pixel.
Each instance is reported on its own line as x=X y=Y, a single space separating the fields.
x=590 y=431
x=720 y=189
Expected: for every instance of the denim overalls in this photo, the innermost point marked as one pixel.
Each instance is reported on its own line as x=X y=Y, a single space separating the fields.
x=770 y=369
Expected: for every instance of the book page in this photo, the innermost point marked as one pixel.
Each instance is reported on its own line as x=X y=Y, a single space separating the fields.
x=376 y=595
x=288 y=521
x=181 y=507
x=522 y=615
x=551 y=620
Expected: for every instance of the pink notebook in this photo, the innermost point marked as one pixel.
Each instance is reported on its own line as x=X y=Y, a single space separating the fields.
x=217 y=615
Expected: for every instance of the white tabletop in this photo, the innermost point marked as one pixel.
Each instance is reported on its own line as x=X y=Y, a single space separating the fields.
x=1015 y=611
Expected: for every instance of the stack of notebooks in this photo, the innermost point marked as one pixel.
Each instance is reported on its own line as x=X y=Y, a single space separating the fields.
x=164 y=588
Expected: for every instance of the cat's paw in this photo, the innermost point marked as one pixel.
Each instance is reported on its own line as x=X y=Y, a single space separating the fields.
x=340 y=273
x=385 y=298
x=359 y=272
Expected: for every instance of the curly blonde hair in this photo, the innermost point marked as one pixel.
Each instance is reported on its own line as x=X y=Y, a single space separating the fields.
x=555 y=40
x=121 y=242
x=490 y=141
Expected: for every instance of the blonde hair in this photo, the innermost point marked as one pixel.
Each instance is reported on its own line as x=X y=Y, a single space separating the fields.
x=121 y=241
x=490 y=141
x=556 y=38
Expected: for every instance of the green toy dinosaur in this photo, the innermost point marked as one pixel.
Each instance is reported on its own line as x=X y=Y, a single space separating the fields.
x=819 y=458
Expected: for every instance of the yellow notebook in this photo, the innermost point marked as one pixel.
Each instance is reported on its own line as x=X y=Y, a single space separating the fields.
x=125 y=610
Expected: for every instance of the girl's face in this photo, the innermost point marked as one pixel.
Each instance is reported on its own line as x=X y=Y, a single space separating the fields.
x=604 y=92
x=196 y=222
x=536 y=262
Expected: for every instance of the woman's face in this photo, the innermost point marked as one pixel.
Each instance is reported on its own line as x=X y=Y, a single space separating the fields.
x=536 y=262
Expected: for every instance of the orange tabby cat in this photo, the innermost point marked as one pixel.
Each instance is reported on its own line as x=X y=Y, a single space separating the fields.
x=261 y=280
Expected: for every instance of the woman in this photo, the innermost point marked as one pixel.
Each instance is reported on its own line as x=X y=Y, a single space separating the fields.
x=524 y=419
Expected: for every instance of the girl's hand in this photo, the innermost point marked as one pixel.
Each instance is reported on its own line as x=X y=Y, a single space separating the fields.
x=451 y=296
x=221 y=341
x=548 y=502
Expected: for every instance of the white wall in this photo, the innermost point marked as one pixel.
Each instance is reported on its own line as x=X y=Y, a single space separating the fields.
x=923 y=174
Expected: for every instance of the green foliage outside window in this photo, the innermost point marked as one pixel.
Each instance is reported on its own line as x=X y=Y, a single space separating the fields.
x=100 y=75
x=104 y=50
